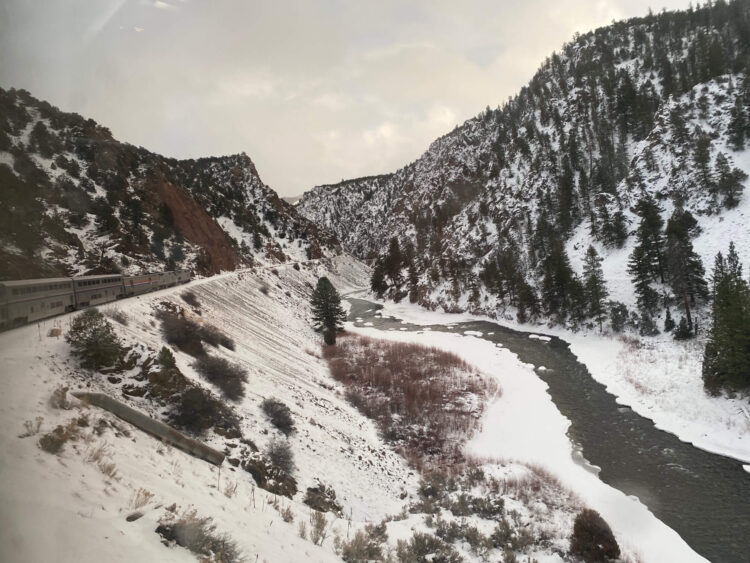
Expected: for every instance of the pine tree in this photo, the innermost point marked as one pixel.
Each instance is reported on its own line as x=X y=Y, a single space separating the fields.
x=702 y=159
x=393 y=261
x=684 y=267
x=726 y=361
x=729 y=181
x=328 y=315
x=377 y=280
x=737 y=125
x=646 y=263
x=558 y=281
x=595 y=288
x=413 y=281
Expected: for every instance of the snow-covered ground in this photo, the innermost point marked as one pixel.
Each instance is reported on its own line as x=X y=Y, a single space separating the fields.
x=64 y=508
x=524 y=424
x=658 y=377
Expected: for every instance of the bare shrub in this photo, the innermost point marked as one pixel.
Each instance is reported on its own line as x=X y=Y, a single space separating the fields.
x=213 y=336
x=279 y=415
x=53 y=442
x=280 y=454
x=425 y=547
x=197 y=410
x=183 y=333
x=366 y=545
x=302 y=530
x=190 y=298
x=118 y=316
x=269 y=477
x=199 y=535
x=323 y=499
x=424 y=400
x=225 y=375
x=592 y=538
x=319 y=527
x=189 y=336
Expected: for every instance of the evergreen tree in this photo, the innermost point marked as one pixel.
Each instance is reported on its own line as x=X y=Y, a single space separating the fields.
x=328 y=315
x=377 y=280
x=595 y=288
x=393 y=261
x=646 y=263
x=738 y=125
x=702 y=159
x=558 y=281
x=729 y=181
x=668 y=322
x=726 y=360
x=413 y=281
x=684 y=267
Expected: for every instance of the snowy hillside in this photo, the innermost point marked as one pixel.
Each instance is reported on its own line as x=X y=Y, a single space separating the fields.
x=650 y=107
x=75 y=200
x=114 y=485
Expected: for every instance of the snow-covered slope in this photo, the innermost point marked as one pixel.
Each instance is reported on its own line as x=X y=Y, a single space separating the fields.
x=64 y=508
x=76 y=200
x=648 y=106
x=75 y=506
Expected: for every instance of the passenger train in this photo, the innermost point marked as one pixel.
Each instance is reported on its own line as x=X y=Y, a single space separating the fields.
x=26 y=301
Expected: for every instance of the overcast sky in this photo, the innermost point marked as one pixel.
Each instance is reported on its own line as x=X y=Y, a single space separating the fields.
x=313 y=91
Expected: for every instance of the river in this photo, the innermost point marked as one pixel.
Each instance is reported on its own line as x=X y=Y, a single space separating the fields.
x=703 y=496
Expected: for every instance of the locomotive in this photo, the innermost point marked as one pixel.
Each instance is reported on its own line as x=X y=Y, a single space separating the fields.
x=25 y=301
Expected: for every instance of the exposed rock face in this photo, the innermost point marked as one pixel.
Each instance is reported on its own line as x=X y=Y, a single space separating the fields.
x=199 y=228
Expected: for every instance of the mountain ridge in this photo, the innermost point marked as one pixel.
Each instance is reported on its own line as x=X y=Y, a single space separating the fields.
x=77 y=201
x=656 y=107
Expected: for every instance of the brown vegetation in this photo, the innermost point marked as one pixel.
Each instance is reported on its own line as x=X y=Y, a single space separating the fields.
x=425 y=400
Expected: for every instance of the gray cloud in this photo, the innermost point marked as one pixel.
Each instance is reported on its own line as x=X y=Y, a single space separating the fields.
x=313 y=91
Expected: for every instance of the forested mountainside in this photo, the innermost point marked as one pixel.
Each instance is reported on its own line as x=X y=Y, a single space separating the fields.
x=631 y=139
x=74 y=200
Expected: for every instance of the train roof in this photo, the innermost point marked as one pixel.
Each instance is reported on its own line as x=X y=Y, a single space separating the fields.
x=15 y=283
x=97 y=277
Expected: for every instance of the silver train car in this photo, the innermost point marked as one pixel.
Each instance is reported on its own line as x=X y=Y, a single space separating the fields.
x=26 y=301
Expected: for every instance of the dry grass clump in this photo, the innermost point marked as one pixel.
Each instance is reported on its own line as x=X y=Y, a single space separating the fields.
x=53 y=442
x=141 y=498
x=424 y=400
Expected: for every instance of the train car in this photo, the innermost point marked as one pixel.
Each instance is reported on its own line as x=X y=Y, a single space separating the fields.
x=95 y=290
x=168 y=279
x=142 y=283
x=25 y=301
